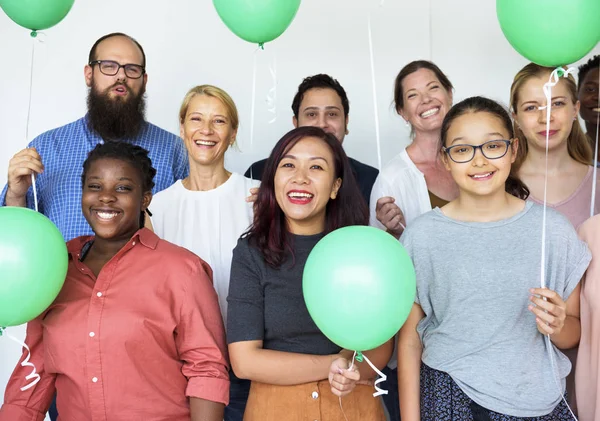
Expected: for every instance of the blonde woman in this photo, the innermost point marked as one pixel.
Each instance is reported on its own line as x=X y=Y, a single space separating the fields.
x=207 y=211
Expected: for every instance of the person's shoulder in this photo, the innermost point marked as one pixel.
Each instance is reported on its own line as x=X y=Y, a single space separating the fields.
x=556 y=223
x=244 y=183
x=167 y=194
x=66 y=130
x=155 y=130
x=397 y=168
x=363 y=169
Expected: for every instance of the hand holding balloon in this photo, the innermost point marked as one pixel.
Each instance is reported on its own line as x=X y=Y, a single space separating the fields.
x=342 y=378
x=550 y=312
x=20 y=168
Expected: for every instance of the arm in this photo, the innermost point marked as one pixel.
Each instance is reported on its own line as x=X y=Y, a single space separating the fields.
x=250 y=361
x=200 y=337
x=557 y=318
x=33 y=403
x=203 y=410
x=410 y=350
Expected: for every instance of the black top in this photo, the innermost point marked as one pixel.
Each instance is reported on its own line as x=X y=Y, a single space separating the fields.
x=267 y=304
x=365 y=175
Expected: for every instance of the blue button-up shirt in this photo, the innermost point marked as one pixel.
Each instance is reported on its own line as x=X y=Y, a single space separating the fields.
x=63 y=151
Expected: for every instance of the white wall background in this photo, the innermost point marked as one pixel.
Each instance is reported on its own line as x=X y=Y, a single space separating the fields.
x=187 y=45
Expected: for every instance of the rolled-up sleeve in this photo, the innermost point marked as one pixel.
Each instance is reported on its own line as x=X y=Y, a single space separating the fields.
x=201 y=338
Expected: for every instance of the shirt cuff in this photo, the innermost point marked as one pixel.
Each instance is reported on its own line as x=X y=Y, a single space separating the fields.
x=10 y=412
x=209 y=388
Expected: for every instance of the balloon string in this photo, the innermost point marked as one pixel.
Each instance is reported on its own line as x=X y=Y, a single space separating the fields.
x=554 y=78
x=374 y=87
x=34 y=40
x=253 y=108
x=593 y=202
x=25 y=363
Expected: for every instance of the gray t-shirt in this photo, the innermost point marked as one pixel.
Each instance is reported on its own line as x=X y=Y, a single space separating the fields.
x=267 y=304
x=473 y=282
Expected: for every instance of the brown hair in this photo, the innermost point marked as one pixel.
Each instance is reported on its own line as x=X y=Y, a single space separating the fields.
x=578 y=145
x=478 y=104
x=412 y=67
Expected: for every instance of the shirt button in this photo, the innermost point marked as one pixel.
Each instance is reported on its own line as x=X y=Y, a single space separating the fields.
x=133 y=243
x=99 y=294
x=94 y=379
x=315 y=395
x=92 y=334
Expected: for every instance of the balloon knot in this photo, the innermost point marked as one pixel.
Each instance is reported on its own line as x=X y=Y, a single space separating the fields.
x=560 y=72
x=33 y=34
x=2 y=330
x=261 y=45
x=359 y=356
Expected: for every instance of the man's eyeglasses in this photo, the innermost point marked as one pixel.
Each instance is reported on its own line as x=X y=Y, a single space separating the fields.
x=493 y=149
x=111 y=68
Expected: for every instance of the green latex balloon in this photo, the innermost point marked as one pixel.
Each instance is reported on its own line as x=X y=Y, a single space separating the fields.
x=359 y=287
x=36 y=14
x=257 y=21
x=550 y=32
x=33 y=264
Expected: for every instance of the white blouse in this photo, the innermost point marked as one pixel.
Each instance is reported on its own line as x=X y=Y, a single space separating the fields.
x=208 y=223
x=402 y=180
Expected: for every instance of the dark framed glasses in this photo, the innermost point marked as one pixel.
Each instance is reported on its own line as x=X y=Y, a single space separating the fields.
x=492 y=149
x=111 y=68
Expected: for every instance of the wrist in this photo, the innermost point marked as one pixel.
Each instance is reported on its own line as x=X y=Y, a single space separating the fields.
x=12 y=199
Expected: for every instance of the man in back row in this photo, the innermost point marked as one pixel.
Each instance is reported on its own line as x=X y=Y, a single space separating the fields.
x=321 y=101
x=116 y=77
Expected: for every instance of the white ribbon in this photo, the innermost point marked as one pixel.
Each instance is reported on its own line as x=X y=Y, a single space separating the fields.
x=26 y=363
x=554 y=78
x=374 y=87
x=272 y=95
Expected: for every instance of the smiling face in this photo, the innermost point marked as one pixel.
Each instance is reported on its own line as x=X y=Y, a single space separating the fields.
x=207 y=130
x=305 y=181
x=112 y=199
x=426 y=101
x=322 y=107
x=532 y=121
x=481 y=176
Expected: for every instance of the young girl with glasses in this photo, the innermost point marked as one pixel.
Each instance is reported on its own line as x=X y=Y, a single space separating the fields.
x=474 y=346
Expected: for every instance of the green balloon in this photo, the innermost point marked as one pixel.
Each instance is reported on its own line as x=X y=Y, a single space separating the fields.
x=36 y=14
x=33 y=264
x=257 y=21
x=359 y=287
x=550 y=32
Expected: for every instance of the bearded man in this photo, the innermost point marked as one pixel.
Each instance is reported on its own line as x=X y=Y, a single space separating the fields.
x=116 y=77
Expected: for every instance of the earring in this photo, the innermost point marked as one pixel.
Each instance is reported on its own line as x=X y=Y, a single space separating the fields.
x=407 y=123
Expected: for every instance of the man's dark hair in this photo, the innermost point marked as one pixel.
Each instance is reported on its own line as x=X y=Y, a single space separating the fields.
x=320 y=81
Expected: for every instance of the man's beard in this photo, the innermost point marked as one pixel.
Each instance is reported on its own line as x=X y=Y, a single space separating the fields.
x=116 y=118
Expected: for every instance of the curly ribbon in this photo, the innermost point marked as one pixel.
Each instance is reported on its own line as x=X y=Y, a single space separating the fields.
x=272 y=95
x=553 y=80
x=25 y=363
x=374 y=87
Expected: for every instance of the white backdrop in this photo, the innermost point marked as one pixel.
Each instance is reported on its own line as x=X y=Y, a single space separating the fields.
x=187 y=45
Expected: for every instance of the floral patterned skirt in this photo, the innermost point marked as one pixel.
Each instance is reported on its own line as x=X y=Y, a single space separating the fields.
x=443 y=400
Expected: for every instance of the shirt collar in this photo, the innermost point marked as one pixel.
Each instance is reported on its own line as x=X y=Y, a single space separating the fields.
x=143 y=236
